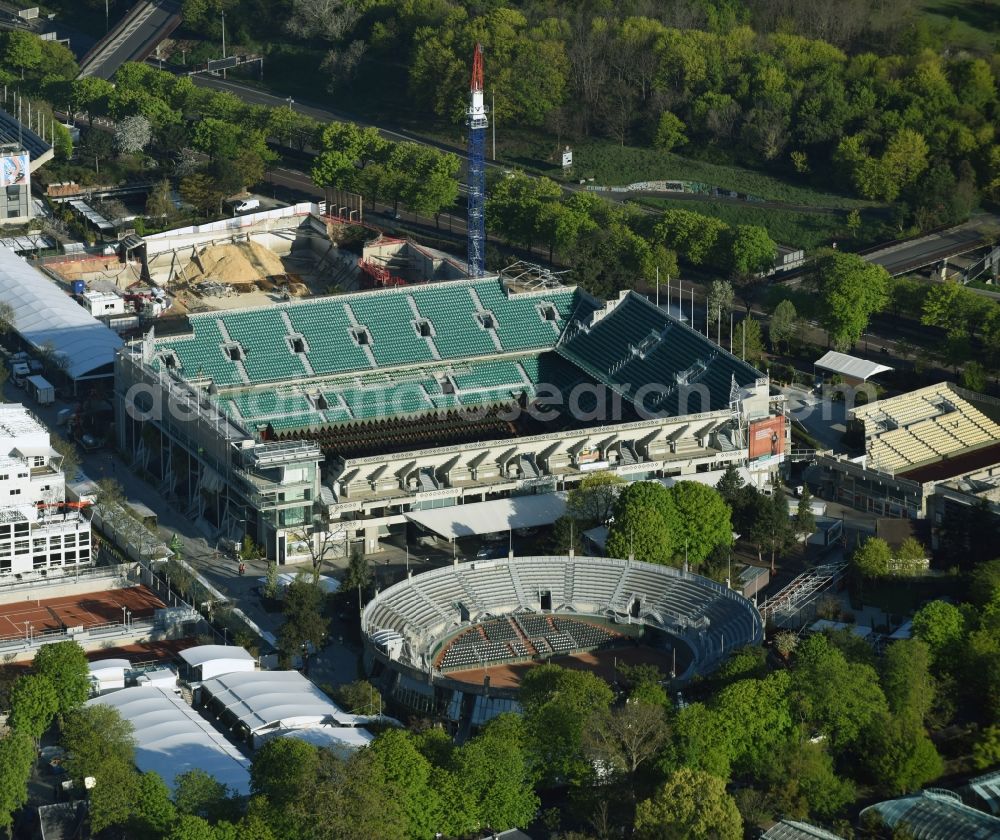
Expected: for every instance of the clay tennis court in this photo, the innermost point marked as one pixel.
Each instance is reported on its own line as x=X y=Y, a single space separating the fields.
x=601 y=662
x=88 y=610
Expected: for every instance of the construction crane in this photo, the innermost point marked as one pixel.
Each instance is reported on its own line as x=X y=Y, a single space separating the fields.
x=477 y=122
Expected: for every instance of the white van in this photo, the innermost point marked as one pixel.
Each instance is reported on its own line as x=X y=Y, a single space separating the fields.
x=246 y=206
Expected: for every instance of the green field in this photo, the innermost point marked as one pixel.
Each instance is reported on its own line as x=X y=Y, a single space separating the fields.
x=970 y=24
x=610 y=164
x=796 y=228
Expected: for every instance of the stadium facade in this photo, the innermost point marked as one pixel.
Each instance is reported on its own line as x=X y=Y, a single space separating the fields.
x=432 y=639
x=343 y=414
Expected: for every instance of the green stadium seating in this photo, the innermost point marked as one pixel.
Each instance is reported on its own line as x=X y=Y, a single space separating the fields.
x=263 y=336
x=389 y=320
x=451 y=310
x=326 y=329
x=203 y=354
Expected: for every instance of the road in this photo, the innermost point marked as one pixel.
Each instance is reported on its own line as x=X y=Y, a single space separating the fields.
x=133 y=38
x=928 y=250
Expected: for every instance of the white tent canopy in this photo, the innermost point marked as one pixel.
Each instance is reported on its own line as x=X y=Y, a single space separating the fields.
x=267 y=699
x=342 y=740
x=218 y=659
x=490 y=517
x=850 y=366
x=46 y=316
x=171 y=738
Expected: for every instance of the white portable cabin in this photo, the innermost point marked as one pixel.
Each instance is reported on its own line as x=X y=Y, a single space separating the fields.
x=108 y=674
x=207 y=661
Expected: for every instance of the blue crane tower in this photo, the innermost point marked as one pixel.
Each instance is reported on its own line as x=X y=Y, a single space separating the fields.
x=476 y=219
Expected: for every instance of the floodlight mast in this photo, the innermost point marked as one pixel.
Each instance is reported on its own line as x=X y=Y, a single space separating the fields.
x=477 y=122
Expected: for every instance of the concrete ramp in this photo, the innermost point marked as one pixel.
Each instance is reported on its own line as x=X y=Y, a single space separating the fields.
x=133 y=39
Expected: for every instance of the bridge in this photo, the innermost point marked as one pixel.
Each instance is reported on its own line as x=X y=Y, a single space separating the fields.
x=912 y=255
x=133 y=38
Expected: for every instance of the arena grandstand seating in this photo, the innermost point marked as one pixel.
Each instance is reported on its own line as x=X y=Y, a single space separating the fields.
x=411 y=352
x=922 y=427
x=468 y=614
x=637 y=345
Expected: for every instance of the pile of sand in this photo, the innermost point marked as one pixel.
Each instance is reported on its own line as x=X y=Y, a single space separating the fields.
x=245 y=262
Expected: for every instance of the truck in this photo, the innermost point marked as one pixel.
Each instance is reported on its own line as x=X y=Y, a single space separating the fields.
x=19 y=372
x=41 y=389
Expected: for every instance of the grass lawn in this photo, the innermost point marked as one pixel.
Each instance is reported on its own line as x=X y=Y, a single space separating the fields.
x=796 y=228
x=972 y=24
x=610 y=164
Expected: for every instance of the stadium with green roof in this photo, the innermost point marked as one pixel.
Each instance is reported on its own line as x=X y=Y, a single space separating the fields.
x=435 y=394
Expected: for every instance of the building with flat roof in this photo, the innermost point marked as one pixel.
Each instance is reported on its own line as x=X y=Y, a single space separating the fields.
x=917 y=446
x=347 y=413
x=39 y=536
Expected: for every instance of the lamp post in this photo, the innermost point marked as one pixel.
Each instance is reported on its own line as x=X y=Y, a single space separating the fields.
x=123 y=616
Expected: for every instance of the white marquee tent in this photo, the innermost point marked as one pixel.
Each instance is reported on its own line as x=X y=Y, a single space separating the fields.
x=171 y=738
x=44 y=315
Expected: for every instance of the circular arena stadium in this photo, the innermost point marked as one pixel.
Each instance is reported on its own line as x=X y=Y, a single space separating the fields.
x=456 y=642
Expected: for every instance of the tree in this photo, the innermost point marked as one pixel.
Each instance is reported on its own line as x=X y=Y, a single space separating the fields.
x=160 y=203
x=65 y=664
x=670 y=132
x=785 y=643
x=132 y=134
x=899 y=755
x=805 y=521
x=33 y=704
x=153 y=813
x=771 y=527
x=692 y=235
x=701 y=521
x=751 y=251
x=873 y=558
x=70 y=458
x=100 y=744
x=974 y=377
x=748 y=343
x=557 y=703
x=942 y=626
x=984 y=583
x=910 y=558
x=398 y=760
x=985 y=751
x=564 y=535
x=690 y=804
x=17 y=754
x=906 y=678
x=756 y=717
x=359 y=573
x=22 y=50
x=360 y=698
x=850 y=291
x=201 y=795
x=592 y=501
x=719 y=304
x=838 y=697
x=430 y=181
x=94 y=736
x=200 y=191
x=701 y=742
x=626 y=737
x=643 y=524
x=784 y=326
x=304 y=623
x=802 y=781
x=493 y=772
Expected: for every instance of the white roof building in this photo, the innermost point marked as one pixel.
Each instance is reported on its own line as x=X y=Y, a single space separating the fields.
x=341 y=740
x=850 y=367
x=44 y=315
x=212 y=660
x=108 y=674
x=171 y=738
x=266 y=701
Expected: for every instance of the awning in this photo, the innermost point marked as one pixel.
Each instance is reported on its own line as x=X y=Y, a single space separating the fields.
x=850 y=366
x=490 y=517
